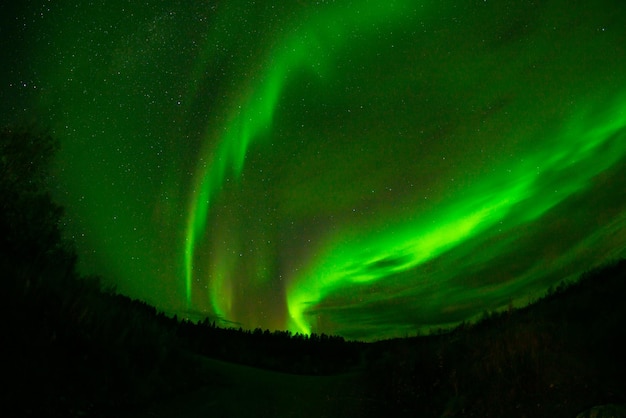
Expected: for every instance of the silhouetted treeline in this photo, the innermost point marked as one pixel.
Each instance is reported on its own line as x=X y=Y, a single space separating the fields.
x=71 y=349
x=278 y=350
x=556 y=357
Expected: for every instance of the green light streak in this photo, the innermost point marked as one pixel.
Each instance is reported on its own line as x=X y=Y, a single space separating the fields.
x=221 y=295
x=354 y=167
x=313 y=46
x=590 y=144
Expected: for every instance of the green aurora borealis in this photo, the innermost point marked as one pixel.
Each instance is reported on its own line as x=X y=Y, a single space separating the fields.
x=362 y=168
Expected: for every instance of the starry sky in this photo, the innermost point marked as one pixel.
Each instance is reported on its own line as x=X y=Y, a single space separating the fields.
x=364 y=168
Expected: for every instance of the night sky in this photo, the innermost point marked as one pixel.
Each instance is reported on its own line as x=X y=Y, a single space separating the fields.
x=363 y=168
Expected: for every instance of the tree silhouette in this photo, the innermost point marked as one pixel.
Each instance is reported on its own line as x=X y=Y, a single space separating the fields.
x=29 y=220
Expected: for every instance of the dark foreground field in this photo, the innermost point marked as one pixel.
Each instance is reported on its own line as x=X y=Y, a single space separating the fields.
x=250 y=392
x=559 y=357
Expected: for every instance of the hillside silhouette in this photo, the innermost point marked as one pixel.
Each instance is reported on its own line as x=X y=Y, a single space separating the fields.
x=74 y=349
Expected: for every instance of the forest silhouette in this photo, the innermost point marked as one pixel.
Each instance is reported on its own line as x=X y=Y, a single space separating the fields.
x=73 y=348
